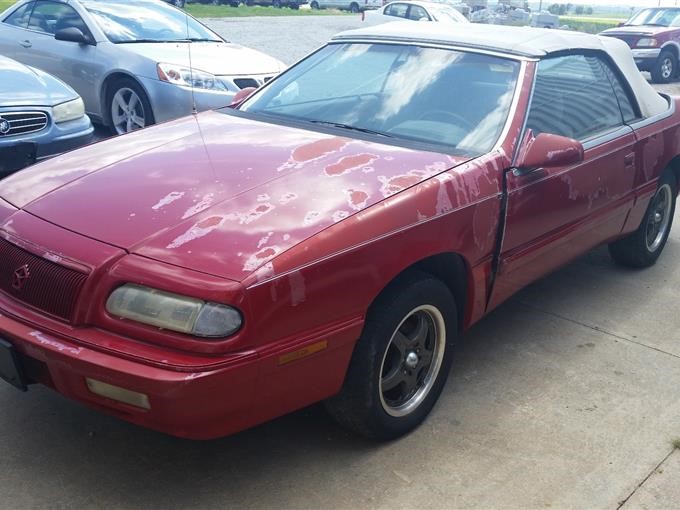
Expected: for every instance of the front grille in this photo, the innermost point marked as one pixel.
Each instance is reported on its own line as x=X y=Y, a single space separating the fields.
x=243 y=83
x=630 y=40
x=45 y=285
x=21 y=123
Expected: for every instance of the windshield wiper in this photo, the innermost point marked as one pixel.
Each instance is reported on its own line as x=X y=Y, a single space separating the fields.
x=350 y=128
x=134 y=41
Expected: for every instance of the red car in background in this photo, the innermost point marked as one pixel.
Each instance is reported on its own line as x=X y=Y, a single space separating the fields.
x=331 y=236
x=654 y=36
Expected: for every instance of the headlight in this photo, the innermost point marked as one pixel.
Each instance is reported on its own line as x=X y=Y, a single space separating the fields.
x=71 y=110
x=185 y=77
x=174 y=312
x=646 y=42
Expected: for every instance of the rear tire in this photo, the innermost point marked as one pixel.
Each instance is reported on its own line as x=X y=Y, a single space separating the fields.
x=643 y=247
x=354 y=7
x=401 y=362
x=314 y=5
x=664 y=68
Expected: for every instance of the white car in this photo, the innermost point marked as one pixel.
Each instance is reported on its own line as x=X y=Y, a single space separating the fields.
x=417 y=11
x=347 y=5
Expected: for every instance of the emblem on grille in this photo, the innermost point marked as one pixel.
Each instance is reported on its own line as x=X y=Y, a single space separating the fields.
x=4 y=126
x=21 y=276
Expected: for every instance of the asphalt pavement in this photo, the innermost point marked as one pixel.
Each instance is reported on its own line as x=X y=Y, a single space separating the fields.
x=566 y=396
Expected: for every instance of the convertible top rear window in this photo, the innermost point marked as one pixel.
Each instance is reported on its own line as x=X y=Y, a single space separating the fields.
x=436 y=96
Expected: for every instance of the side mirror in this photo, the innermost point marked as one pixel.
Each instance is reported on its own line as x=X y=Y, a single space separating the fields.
x=546 y=151
x=72 y=34
x=621 y=24
x=241 y=96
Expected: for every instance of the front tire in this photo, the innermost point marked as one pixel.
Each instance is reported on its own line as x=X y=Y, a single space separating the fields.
x=314 y=5
x=401 y=362
x=643 y=247
x=129 y=108
x=354 y=7
x=664 y=68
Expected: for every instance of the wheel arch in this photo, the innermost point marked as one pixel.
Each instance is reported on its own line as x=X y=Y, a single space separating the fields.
x=449 y=267
x=674 y=166
x=106 y=83
x=673 y=47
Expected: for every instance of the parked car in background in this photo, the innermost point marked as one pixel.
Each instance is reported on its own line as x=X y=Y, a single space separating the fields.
x=330 y=236
x=133 y=63
x=654 y=36
x=40 y=110
x=346 y=5
x=417 y=11
x=293 y=4
x=544 y=19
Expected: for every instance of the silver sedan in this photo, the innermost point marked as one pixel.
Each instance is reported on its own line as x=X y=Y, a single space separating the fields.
x=133 y=64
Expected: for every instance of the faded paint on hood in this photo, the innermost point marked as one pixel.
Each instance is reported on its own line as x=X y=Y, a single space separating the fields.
x=224 y=195
x=643 y=30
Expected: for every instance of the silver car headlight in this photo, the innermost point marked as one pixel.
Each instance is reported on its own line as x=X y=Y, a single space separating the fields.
x=185 y=77
x=646 y=42
x=173 y=312
x=71 y=110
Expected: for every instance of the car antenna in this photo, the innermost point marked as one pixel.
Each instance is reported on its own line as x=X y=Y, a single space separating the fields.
x=191 y=68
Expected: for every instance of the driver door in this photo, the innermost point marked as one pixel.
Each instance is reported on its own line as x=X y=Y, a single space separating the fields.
x=553 y=215
x=72 y=62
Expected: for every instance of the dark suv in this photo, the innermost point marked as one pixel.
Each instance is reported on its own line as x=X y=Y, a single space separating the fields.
x=654 y=36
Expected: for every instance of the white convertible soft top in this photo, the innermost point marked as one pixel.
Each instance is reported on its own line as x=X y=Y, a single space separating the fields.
x=520 y=41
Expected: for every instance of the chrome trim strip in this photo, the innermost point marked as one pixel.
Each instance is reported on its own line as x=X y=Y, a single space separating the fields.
x=656 y=118
x=590 y=143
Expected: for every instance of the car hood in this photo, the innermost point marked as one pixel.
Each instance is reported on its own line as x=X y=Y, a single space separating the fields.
x=25 y=86
x=216 y=193
x=644 y=30
x=222 y=59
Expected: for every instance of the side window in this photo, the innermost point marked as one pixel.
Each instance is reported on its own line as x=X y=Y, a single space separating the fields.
x=417 y=12
x=573 y=97
x=50 y=17
x=398 y=10
x=19 y=18
x=627 y=106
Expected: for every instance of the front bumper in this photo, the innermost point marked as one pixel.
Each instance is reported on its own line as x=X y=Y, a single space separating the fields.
x=236 y=392
x=170 y=101
x=645 y=58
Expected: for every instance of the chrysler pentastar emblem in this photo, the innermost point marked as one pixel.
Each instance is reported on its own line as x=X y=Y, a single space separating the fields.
x=4 y=126
x=21 y=276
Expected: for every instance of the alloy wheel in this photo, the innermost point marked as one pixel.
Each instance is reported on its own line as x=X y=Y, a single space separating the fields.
x=412 y=361
x=659 y=217
x=127 y=111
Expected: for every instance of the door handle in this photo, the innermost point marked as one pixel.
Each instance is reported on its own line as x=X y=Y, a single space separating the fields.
x=629 y=160
x=26 y=43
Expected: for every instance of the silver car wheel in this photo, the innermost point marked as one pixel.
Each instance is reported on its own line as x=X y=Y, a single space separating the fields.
x=412 y=360
x=667 y=68
x=127 y=111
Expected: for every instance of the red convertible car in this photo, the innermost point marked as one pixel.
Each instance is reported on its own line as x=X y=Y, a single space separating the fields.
x=331 y=236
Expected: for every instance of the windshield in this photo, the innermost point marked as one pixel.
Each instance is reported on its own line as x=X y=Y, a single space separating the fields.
x=127 y=22
x=436 y=96
x=656 y=17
